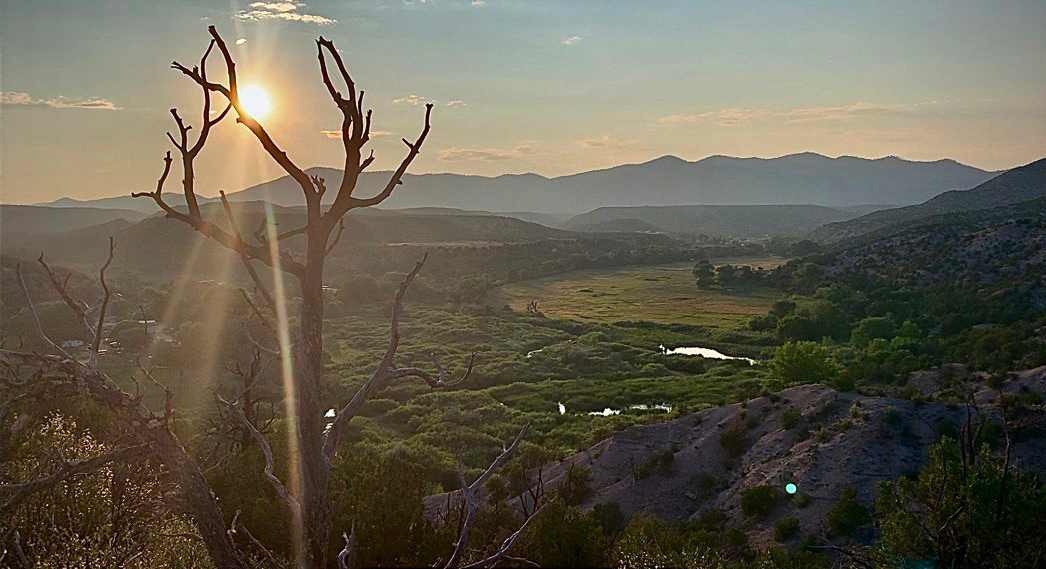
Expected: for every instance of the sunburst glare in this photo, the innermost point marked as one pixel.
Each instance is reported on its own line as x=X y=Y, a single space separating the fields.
x=256 y=101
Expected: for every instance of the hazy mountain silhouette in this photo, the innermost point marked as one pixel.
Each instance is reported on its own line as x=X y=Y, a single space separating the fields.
x=718 y=220
x=125 y=202
x=147 y=245
x=805 y=178
x=36 y=220
x=1019 y=185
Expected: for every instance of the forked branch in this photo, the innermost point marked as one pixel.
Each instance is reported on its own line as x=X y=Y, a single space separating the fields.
x=15 y=494
x=469 y=494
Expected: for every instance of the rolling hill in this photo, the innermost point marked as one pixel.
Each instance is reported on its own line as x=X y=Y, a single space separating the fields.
x=20 y=221
x=744 y=221
x=149 y=245
x=860 y=451
x=805 y=178
x=1019 y=185
x=125 y=202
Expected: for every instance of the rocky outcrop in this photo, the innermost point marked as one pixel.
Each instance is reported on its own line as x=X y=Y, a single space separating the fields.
x=822 y=441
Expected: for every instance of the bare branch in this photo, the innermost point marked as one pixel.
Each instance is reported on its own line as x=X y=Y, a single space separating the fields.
x=343 y=416
x=36 y=316
x=236 y=527
x=502 y=552
x=19 y=551
x=337 y=236
x=78 y=307
x=232 y=241
x=96 y=344
x=18 y=493
x=262 y=443
x=346 y=554
x=440 y=379
x=471 y=501
x=243 y=117
x=244 y=257
x=344 y=203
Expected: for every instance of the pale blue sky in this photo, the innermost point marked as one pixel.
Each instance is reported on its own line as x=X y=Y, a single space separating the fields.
x=543 y=86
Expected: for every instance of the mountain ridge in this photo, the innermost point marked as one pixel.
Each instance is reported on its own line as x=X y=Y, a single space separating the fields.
x=1022 y=184
x=802 y=178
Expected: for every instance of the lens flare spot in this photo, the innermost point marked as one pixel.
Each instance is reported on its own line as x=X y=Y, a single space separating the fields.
x=255 y=101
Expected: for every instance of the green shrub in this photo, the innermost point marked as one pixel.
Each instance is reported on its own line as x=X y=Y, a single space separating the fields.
x=984 y=514
x=577 y=486
x=758 y=502
x=790 y=419
x=734 y=441
x=660 y=462
x=847 y=515
x=803 y=362
x=786 y=528
x=610 y=517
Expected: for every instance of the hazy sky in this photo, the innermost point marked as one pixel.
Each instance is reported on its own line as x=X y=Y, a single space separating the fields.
x=521 y=85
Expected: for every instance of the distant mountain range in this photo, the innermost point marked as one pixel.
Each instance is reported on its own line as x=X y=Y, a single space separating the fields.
x=1019 y=185
x=25 y=220
x=147 y=244
x=805 y=178
x=744 y=221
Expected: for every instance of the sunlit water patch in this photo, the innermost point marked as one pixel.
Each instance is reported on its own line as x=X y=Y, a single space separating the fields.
x=610 y=411
x=703 y=352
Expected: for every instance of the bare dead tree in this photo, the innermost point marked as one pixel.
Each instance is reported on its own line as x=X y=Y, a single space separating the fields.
x=307 y=500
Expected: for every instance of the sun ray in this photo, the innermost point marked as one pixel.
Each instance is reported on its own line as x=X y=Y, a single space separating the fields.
x=287 y=373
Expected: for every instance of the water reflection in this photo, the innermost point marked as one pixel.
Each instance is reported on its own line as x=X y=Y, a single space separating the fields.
x=703 y=352
x=610 y=411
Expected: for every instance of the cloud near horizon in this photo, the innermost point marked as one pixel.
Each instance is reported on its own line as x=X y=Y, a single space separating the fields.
x=522 y=149
x=23 y=99
x=484 y=154
x=734 y=116
x=413 y=99
x=336 y=134
x=286 y=11
x=572 y=40
x=607 y=142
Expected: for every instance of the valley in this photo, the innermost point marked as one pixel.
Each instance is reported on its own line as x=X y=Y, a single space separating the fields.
x=654 y=293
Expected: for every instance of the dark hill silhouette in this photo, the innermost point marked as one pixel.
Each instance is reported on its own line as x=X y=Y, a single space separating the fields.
x=805 y=178
x=20 y=220
x=718 y=220
x=1019 y=185
x=718 y=180
x=148 y=245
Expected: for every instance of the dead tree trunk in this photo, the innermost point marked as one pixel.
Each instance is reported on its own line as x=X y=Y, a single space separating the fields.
x=314 y=442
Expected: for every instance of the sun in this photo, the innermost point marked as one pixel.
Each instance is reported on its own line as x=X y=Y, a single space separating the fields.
x=255 y=101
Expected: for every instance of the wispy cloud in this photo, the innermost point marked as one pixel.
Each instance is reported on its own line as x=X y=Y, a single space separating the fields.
x=607 y=142
x=522 y=149
x=336 y=134
x=572 y=40
x=842 y=112
x=734 y=116
x=526 y=147
x=479 y=3
x=241 y=41
x=456 y=103
x=724 y=117
x=286 y=11
x=413 y=100
x=22 y=99
x=469 y=154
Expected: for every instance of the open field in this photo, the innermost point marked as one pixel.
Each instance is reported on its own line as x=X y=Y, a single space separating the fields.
x=657 y=293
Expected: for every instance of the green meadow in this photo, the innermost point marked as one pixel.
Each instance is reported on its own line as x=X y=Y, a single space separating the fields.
x=658 y=293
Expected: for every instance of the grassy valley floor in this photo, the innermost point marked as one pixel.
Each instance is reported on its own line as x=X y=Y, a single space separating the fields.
x=664 y=294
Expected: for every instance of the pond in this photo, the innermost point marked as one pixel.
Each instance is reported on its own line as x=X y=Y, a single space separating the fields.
x=703 y=352
x=609 y=411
